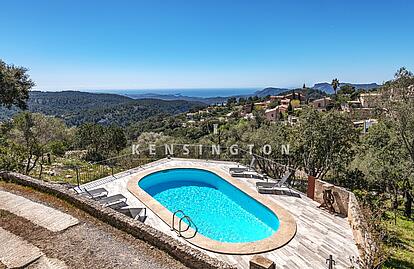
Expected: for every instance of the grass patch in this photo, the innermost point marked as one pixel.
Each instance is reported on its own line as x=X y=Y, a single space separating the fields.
x=63 y=170
x=402 y=247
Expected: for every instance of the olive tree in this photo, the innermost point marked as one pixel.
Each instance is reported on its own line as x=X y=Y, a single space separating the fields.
x=35 y=133
x=324 y=142
x=100 y=141
x=383 y=161
x=14 y=91
x=398 y=103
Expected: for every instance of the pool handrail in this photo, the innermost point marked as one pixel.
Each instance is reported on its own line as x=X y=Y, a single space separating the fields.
x=190 y=223
x=173 y=218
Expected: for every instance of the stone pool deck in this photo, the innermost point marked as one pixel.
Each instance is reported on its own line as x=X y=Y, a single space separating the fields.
x=319 y=233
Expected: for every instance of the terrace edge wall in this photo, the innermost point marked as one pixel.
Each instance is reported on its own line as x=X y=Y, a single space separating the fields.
x=187 y=255
x=347 y=205
x=340 y=194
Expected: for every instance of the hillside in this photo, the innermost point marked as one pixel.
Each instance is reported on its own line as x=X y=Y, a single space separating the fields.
x=58 y=103
x=208 y=100
x=79 y=107
x=270 y=91
x=327 y=87
x=318 y=90
x=309 y=93
x=170 y=97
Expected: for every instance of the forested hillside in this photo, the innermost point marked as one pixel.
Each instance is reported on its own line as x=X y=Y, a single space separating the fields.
x=76 y=108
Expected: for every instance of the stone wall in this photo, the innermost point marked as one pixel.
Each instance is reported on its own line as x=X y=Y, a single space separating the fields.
x=345 y=204
x=340 y=194
x=355 y=220
x=189 y=256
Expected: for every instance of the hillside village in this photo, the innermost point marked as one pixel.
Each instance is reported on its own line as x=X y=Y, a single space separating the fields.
x=361 y=106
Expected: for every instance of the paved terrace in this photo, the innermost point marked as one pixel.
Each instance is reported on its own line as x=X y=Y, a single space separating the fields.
x=319 y=234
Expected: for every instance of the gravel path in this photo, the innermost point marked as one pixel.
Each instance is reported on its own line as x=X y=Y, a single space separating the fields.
x=90 y=244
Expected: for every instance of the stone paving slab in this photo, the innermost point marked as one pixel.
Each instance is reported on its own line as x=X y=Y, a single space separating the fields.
x=16 y=252
x=47 y=263
x=44 y=216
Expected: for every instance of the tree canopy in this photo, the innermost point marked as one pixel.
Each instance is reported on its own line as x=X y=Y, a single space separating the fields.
x=15 y=84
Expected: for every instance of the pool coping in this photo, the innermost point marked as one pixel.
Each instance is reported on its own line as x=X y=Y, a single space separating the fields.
x=281 y=237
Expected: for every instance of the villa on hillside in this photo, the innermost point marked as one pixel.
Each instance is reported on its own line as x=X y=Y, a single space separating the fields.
x=295 y=96
x=284 y=100
x=353 y=105
x=292 y=120
x=322 y=104
x=272 y=114
x=364 y=125
x=368 y=100
x=261 y=105
x=246 y=109
x=248 y=116
x=276 y=97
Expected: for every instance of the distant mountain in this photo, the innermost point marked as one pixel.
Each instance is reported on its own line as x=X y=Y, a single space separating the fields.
x=58 y=103
x=207 y=100
x=170 y=97
x=211 y=100
x=327 y=87
x=269 y=91
x=80 y=107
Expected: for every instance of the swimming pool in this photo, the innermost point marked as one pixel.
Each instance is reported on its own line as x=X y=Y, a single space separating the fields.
x=220 y=211
x=231 y=216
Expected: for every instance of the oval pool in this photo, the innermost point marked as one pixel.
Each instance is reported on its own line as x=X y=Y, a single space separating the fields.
x=221 y=211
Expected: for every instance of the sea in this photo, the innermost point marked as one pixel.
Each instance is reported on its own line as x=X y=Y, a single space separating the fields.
x=197 y=92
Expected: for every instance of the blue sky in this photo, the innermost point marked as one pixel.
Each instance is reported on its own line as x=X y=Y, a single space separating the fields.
x=204 y=44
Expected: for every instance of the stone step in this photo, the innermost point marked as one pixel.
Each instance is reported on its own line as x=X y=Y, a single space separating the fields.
x=47 y=263
x=44 y=216
x=15 y=252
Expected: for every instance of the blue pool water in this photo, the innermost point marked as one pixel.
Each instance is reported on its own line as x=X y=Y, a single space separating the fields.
x=221 y=211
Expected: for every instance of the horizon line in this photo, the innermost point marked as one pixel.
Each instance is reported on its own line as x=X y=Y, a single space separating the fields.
x=193 y=88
